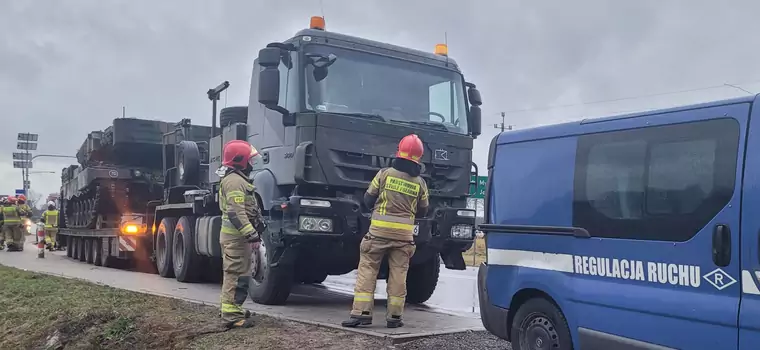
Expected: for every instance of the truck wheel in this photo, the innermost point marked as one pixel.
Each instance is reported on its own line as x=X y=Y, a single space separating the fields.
x=97 y=251
x=539 y=321
x=105 y=255
x=88 y=243
x=230 y=115
x=269 y=285
x=164 y=260
x=189 y=165
x=69 y=246
x=421 y=280
x=186 y=261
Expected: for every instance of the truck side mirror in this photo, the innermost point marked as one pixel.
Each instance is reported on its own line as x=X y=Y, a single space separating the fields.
x=475 y=120
x=269 y=77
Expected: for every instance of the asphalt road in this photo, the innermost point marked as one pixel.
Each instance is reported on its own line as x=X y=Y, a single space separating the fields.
x=453 y=307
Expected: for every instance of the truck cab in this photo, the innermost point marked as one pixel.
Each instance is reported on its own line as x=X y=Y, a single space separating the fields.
x=628 y=232
x=327 y=111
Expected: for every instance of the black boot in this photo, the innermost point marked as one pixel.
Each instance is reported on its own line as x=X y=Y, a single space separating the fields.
x=241 y=323
x=355 y=321
x=394 y=322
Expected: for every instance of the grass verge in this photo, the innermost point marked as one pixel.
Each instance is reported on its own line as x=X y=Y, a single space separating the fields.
x=476 y=254
x=47 y=312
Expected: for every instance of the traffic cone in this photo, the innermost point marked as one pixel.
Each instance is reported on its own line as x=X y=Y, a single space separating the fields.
x=40 y=243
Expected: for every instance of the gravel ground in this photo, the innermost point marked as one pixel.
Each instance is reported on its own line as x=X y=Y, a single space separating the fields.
x=459 y=341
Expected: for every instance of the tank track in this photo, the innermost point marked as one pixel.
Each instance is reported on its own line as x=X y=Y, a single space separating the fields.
x=83 y=210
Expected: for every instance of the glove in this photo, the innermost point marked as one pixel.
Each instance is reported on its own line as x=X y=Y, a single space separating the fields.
x=253 y=238
x=261 y=227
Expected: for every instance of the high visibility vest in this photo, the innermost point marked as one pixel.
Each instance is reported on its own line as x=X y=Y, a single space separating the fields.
x=51 y=218
x=10 y=215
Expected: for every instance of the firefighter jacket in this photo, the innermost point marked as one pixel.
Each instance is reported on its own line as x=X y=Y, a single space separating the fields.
x=50 y=218
x=11 y=215
x=240 y=211
x=398 y=197
x=25 y=210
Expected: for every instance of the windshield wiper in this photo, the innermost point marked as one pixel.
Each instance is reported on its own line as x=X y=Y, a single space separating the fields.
x=360 y=115
x=437 y=125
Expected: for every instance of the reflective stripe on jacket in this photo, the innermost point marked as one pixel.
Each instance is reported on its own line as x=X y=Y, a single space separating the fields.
x=11 y=215
x=238 y=205
x=51 y=218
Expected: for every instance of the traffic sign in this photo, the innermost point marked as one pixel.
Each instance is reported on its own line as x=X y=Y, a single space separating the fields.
x=18 y=192
x=26 y=146
x=22 y=156
x=481 y=187
x=22 y=164
x=23 y=136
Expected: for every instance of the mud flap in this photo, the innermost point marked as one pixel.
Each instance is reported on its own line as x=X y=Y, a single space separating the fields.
x=452 y=259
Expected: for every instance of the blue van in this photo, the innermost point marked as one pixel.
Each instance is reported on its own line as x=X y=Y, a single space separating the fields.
x=631 y=232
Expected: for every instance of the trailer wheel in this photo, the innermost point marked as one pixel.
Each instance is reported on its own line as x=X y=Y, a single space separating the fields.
x=164 y=240
x=422 y=279
x=105 y=254
x=97 y=251
x=189 y=165
x=269 y=285
x=69 y=245
x=88 y=250
x=185 y=259
x=81 y=249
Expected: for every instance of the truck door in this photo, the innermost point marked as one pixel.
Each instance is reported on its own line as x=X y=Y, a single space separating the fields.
x=661 y=196
x=749 y=314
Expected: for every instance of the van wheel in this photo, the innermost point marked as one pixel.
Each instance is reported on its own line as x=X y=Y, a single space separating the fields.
x=164 y=239
x=269 y=285
x=185 y=260
x=540 y=324
x=422 y=279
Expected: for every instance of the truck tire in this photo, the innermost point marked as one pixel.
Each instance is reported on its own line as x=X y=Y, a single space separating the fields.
x=269 y=285
x=189 y=163
x=106 y=259
x=422 y=279
x=537 y=320
x=185 y=259
x=231 y=115
x=97 y=251
x=81 y=249
x=164 y=260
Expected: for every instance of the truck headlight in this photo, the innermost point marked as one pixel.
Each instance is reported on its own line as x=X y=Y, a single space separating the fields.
x=461 y=231
x=315 y=203
x=315 y=224
x=466 y=213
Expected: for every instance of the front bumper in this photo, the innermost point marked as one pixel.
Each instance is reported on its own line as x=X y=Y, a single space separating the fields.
x=494 y=318
x=349 y=221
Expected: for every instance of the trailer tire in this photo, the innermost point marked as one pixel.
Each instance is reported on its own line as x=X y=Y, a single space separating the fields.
x=97 y=251
x=189 y=163
x=269 y=285
x=69 y=246
x=106 y=259
x=164 y=260
x=231 y=115
x=81 y=249
x=185 y=259
x=88 y=243
x=422 y=279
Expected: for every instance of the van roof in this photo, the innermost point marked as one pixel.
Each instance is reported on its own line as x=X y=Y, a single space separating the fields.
x=574 y=127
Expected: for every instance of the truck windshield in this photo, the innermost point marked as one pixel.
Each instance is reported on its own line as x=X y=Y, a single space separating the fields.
x=360 y=83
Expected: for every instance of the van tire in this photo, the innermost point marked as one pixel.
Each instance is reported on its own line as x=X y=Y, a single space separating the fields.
x=421 y=280
x=543 y=314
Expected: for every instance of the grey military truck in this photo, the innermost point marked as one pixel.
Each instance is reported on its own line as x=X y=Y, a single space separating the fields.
x=326 y=111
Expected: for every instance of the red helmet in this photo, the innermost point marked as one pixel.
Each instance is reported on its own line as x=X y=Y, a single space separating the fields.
x=11 y=199
x=410 y=148
x=238 y=153
x=22 y=197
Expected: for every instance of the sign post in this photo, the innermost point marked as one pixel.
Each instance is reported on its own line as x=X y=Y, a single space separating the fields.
x=23 y=160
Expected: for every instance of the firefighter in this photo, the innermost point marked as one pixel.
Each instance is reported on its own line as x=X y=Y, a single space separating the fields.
x=26 y=210
x=50 y=219
x=11 y=215
x=396 y=195
x=242 y=226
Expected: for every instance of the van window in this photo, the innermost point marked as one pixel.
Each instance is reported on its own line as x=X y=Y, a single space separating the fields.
x=658 y=183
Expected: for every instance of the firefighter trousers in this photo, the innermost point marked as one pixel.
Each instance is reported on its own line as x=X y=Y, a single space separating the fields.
x=50 y=234
x=13 y=234
x=236 y=265
x=371 y=252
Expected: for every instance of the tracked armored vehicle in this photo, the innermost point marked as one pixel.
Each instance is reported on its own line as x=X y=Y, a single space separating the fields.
x=120 y=171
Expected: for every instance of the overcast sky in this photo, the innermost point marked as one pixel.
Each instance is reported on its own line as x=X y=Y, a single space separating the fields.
x=67 y=67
